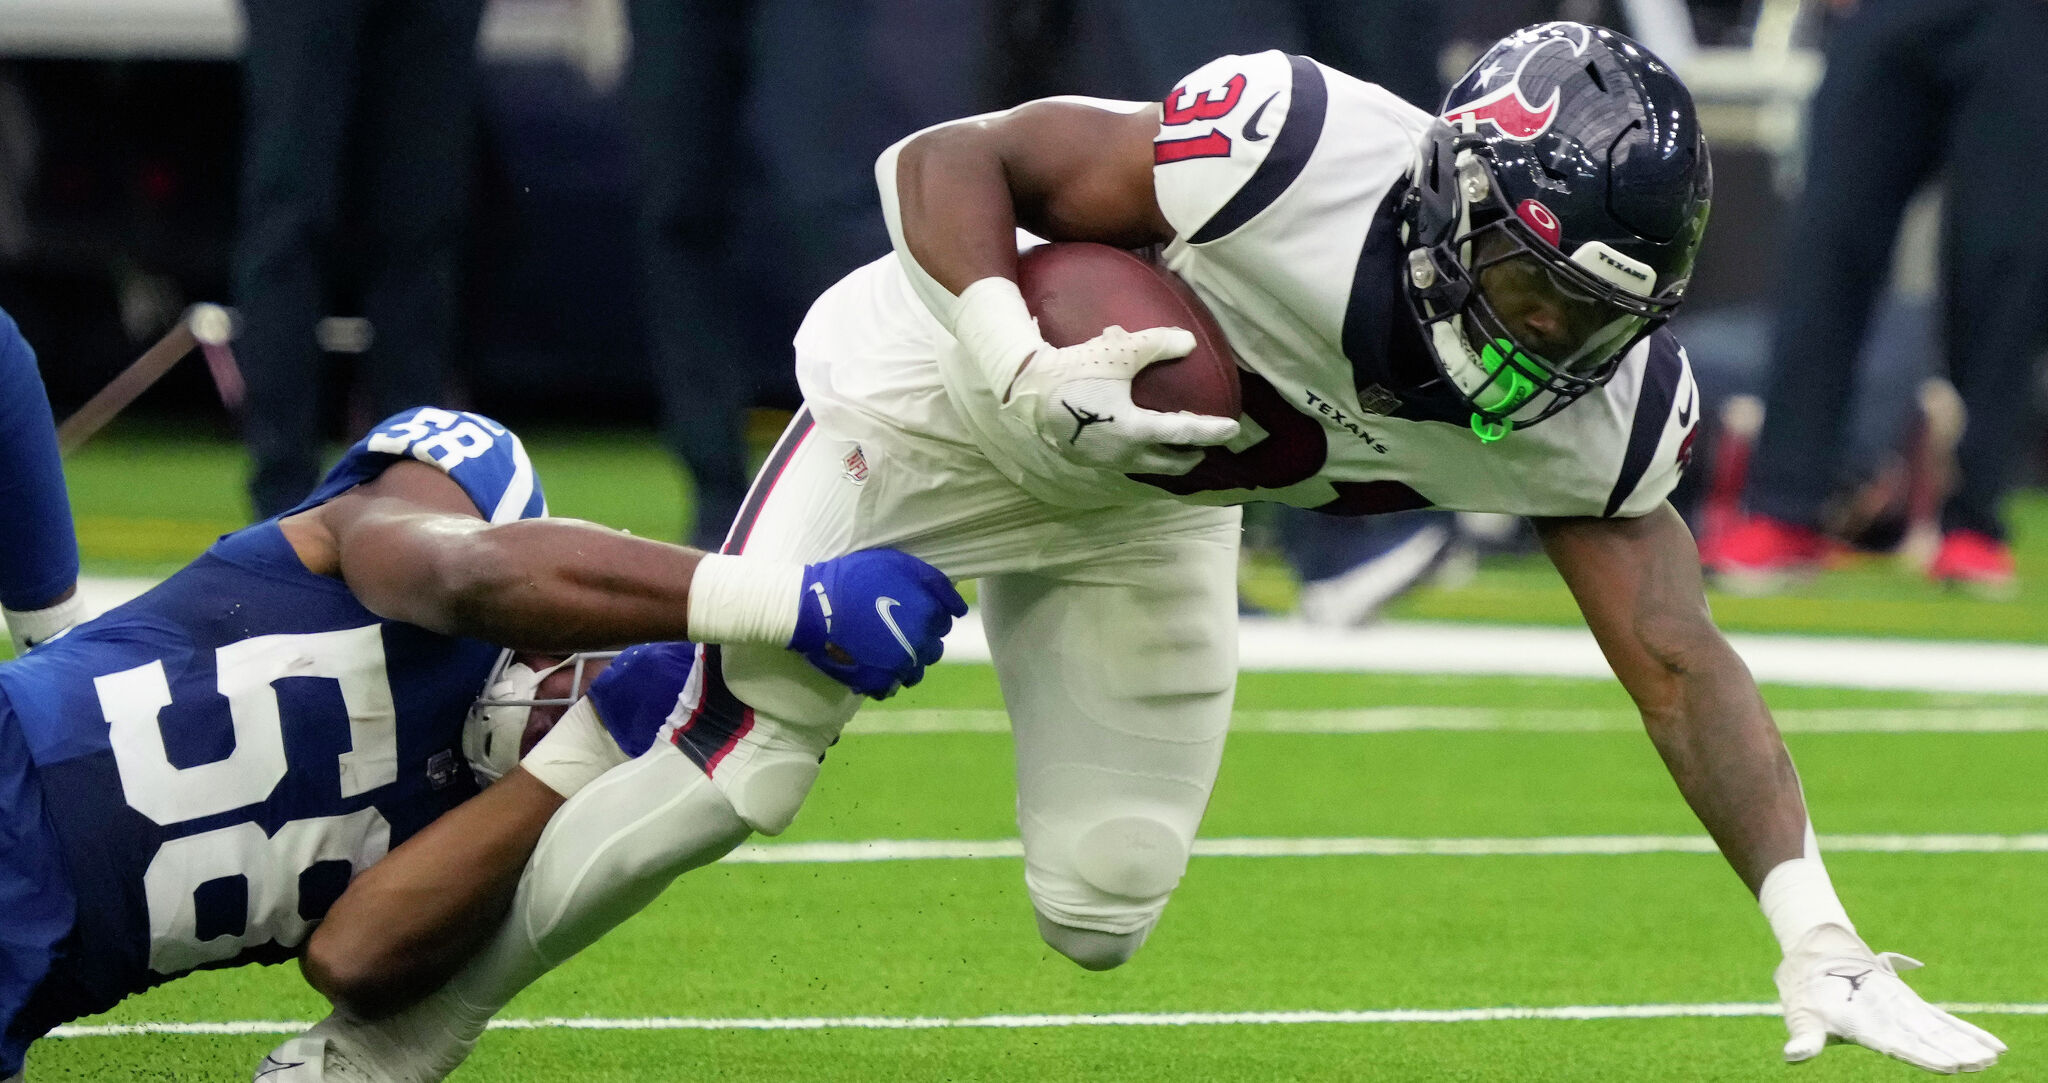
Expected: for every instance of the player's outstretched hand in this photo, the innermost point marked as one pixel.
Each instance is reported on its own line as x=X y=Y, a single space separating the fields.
x=1835 y=989
x=1080 y=398
x=873 y=620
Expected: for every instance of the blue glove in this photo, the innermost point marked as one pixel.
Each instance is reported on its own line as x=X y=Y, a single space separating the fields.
x=636 y=693
x=872 y=620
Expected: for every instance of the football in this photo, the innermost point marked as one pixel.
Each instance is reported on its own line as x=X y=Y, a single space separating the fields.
x=1076 y=289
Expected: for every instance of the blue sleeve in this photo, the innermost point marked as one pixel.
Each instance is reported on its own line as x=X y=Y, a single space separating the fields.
x=483 y=457
x=39 y=562
x=639 y=690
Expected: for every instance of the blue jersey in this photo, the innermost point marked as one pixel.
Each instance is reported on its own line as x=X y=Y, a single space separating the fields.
x=218 y=758
x=40 y=560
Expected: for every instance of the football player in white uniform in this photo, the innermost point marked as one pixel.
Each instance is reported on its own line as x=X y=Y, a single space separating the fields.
x=1460 y=311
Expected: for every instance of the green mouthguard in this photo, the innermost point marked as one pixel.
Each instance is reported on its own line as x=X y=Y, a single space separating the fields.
x=1501 y=395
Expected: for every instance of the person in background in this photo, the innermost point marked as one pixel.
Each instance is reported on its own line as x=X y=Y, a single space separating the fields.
x=39 y=563
x=1911 y=86
x=357 y=151
x=753 y=124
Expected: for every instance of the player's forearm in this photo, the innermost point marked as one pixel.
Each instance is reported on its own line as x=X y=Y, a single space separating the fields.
x=1724 y=752
x=413 y=919
x=535 y=584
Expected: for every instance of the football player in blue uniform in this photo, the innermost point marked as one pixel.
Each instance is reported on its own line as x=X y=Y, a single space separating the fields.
x=191 y=780
x=39 y=565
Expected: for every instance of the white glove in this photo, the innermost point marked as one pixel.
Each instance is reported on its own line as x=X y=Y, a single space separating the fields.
x=1078 y=398
x=1834 y=989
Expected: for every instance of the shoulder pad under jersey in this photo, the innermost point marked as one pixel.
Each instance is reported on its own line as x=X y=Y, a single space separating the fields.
x=482 y=456
x=1660 y=439
x=1232 y=136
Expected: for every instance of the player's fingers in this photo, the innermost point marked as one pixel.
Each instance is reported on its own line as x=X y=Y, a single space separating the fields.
x=939 y=586
x=1181 y=427
x=1965 y=1050
x=1807 y=1039
x=1897 y=1039
x=1158 y=343
x=1973 y=1030
x=1155 y=459
x=1965 y=1046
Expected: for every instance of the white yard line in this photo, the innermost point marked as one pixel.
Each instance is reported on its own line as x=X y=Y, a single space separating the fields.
x=1027 y=1022
x=1503 y=719
x=835 y=853
x=1267 y=644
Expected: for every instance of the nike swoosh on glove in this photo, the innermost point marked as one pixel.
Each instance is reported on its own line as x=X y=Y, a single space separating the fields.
x=1080 y=399
x=1834 y=989
x=873 y=620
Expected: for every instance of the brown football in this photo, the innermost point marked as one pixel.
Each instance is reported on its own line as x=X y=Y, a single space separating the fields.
x=1076 y=289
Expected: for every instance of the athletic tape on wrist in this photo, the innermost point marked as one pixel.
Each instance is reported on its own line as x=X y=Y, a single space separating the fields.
x=1797 y=896
x=736 y=599
x=996 y=330
x=32 y=626
x=577 y=750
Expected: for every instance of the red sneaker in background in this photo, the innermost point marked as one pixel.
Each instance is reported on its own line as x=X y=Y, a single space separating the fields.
x=1977 y=563
x=1760 y=555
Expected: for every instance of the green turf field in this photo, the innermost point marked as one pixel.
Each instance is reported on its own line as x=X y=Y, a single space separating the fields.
x=952 y=938
x=848 y=969
x=148 y=500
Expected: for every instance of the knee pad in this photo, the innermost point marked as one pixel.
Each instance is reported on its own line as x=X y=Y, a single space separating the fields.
x=768 y=790
x=1131 y=857
x=1089 y=948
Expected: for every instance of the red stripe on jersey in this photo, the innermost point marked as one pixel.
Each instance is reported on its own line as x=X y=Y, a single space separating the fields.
x=746 y=726
x=757 y=501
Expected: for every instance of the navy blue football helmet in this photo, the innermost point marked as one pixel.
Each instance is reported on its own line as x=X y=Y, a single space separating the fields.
x=1555 y=213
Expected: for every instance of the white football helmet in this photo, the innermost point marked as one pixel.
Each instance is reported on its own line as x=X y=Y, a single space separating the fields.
x=496 y=725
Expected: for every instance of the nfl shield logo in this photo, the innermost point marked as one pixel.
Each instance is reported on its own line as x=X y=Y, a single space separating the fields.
x=856 y=466
x=1378 y=400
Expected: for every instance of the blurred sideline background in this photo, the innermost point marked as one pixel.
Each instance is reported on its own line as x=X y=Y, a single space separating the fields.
x=120 y=143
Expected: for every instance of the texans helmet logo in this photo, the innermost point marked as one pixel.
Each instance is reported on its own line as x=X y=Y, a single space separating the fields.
x=1508 y=108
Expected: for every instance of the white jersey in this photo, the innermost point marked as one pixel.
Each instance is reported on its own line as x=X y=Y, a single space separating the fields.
x=1282 y=180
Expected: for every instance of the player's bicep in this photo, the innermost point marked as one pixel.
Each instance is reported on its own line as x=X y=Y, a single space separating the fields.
x=1082 y=173
x=399 y=541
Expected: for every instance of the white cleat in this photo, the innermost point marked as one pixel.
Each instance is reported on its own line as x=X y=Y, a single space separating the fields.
x=421 y=1044
x=300 y=1060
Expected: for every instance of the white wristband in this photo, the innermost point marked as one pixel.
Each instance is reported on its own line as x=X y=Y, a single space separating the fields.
x=33 y=626
x=577 y=750
x=735 y=599
x=1797 y=896
x=996 y=330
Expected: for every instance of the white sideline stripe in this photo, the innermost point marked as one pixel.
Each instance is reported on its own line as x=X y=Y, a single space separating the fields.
x=839 y=853
x=1027 y=1022
x=1270 y=644
x=1501 y=719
